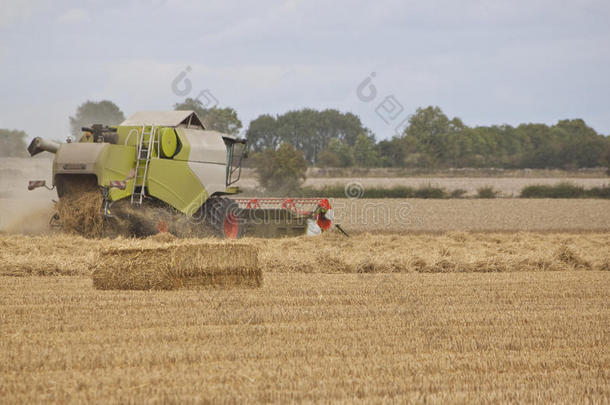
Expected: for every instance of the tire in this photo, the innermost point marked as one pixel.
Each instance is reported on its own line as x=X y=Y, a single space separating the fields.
x=223 y=215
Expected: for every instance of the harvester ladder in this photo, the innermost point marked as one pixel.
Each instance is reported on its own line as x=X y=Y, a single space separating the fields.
x=144 y=152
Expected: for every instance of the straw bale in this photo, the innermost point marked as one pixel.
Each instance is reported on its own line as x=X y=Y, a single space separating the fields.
x=178 y=266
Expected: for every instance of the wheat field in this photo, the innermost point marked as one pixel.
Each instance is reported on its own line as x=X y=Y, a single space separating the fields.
x=434 y=338
x=435 y=301
x=452 y=317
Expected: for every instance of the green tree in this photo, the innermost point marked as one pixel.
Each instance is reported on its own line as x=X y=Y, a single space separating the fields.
x=223 y=120
x=333 y=124
x=430 y=133
x=581 y=146
x=543 y=146
x=330 y=138
x=262 y=133
x=282 y=170
x=606 y=155
x=12 y=143
x=391 y=152
x=327 y=158
x=365 y=154
x=95 y=112
x=191 y=104
x=337 y=154
x=308 y=130
x=298 y=129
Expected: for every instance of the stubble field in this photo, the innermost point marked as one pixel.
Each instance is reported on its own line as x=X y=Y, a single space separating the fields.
x=510 y=337
x=436 y=301
x=456 y=317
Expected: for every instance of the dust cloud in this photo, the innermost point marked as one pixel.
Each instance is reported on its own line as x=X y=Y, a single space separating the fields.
x=23 y=211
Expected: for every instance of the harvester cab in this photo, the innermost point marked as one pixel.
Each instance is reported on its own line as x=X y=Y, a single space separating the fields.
x=167 y=161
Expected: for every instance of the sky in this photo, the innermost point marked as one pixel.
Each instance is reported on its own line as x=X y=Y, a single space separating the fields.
x=486 y=62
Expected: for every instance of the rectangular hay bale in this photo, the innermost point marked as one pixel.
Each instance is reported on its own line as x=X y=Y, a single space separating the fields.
x=178 y=266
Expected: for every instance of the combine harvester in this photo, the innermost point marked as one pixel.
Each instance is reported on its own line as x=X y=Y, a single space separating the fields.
x=163 y=171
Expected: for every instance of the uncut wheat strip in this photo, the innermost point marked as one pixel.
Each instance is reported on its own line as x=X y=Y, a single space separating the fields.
x=73 y=255
x=455 y=252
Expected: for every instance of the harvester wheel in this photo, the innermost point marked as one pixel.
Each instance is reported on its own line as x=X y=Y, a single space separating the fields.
x=223 y=215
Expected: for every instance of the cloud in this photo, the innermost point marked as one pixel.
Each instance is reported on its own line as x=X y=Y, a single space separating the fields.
x=15 y=11
x=74 y=16
x=487 y=62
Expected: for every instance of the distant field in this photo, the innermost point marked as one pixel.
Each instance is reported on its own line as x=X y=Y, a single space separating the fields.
x=417 y=215
x=507 y=186
x=508 y=182
x=15 y=172
x=399 y=215
x=357 y=172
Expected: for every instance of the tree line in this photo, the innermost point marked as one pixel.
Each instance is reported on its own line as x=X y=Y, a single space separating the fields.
x=431 y=140
x=330 y=138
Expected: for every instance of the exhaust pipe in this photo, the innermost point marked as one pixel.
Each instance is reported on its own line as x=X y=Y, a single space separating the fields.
x=41 y=145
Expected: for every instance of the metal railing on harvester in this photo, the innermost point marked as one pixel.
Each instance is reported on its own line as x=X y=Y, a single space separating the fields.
x=301 y=206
